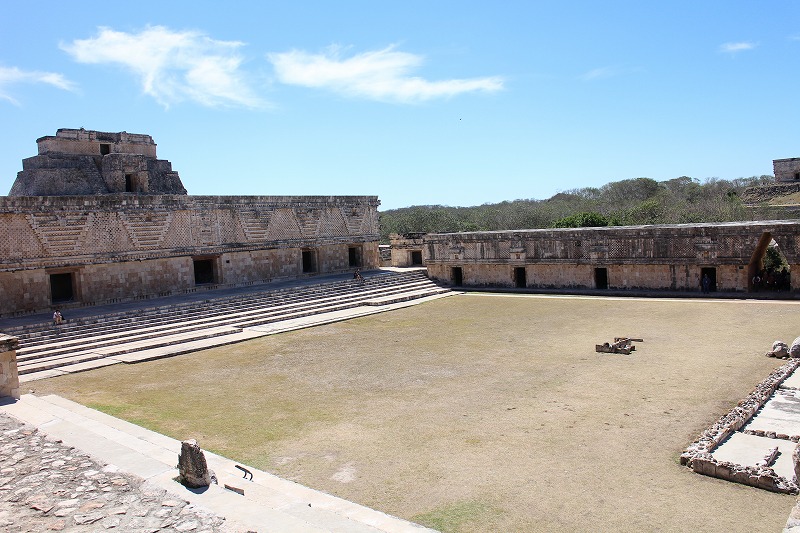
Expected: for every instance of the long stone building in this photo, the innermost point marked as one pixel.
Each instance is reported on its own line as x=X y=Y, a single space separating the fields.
x=660 y=257
x=96 y=218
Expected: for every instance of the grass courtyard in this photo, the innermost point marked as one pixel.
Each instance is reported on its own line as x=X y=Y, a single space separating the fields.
x=480 y=412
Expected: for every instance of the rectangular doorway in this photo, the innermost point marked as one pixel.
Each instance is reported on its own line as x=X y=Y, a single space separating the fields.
x=354 y=256
x=520 y=280
x=203 y=271
x=61 y=289
x=711 y=284
x=600 y=278
x=457 y=276
x=309 y=261
x=416 y=257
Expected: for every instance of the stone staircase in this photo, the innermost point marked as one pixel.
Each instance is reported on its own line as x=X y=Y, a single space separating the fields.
x=151 y=333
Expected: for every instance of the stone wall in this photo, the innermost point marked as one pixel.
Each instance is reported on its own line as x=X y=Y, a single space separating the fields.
x=403 y=246
x=117 y=247
x=665 y=257
x=9 y=378
x=786 y=169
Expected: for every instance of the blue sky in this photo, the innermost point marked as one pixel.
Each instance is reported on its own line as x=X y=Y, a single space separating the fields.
x=418 y=102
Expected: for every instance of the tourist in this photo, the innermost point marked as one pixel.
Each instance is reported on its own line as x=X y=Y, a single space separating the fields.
x=706 y=284
x=357 y=275
x=57 y=318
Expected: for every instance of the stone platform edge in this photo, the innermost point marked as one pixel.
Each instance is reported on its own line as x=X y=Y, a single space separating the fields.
x=698 y=454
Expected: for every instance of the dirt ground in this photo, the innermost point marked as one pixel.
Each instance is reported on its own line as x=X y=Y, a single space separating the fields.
x=480 y=412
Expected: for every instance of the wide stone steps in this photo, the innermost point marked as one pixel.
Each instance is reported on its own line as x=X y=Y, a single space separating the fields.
x=203 y=311
x=259 y=314
x=31 y=335
x=189 y=327
x=80 y=356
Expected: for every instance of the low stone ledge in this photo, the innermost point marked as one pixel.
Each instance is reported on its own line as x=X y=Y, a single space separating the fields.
x=698 y=454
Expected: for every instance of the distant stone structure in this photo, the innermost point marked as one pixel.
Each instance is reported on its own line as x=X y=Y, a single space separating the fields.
x=81 y=162
x=407 y=249
x=110 y=246
x=786 y=170
x=660 y=257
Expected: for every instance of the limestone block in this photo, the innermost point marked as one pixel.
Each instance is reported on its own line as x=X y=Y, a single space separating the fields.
x=192 y=465
x=779 y=349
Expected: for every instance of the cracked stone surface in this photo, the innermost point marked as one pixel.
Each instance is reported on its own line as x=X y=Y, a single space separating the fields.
x=47 y=486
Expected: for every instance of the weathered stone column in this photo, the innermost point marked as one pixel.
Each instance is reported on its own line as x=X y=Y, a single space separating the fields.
x=9 y=378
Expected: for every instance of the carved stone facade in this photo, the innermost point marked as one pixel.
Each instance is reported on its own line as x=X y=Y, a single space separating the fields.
x=77 y=250
x=663 y=257
x=80 y=162
x=786 y=170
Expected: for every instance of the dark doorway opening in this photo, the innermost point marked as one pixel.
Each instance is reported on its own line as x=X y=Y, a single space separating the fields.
x=458 y=276
x=416 y=257
x=309 y=261
x=354 y=256
x=601 y=278
x=61 y=288
x=708 y=279
x=519 y=278
x=105 y=149
x=128 y=183
x=203 y=271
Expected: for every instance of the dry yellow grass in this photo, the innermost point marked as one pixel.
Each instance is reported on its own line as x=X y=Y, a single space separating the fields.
x=480 y=412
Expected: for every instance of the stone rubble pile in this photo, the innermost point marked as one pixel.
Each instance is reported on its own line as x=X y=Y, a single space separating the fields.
x=47 y=486
x=698 y=455
x=623 y=345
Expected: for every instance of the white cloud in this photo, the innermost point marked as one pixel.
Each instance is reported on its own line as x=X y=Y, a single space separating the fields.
x=12 y=76
x=732 y=48
x=172 y=66
x=382 y=75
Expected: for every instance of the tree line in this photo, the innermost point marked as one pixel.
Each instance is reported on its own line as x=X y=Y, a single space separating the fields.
x=621 y=203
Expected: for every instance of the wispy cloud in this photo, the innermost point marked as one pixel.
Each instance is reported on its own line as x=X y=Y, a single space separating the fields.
x=173 y=66
x=733 y=48
x=12 y=76
x=383 y=75
x=599 y=73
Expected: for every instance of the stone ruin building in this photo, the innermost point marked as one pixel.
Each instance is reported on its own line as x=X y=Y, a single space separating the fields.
x=787 y=170
x=407 y=249
x=81 y=162
x=671 y=257
x=96 y=218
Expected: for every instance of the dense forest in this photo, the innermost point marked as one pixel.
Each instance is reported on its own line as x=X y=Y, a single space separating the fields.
x=621 y=203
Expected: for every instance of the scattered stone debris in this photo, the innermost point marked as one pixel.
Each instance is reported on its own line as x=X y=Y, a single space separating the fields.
x=779 y=350
x=623 y=345
x=698 y=455
x=46 y=485
x=192 y=466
